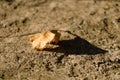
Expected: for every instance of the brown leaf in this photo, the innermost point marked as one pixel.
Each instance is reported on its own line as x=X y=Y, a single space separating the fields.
x=39 y=41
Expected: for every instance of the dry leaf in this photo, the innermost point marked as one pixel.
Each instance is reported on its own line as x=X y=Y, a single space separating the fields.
x=40 y=40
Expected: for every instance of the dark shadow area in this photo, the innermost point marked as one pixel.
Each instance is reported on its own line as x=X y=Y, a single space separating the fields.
x=77 y=46
x=9 y=0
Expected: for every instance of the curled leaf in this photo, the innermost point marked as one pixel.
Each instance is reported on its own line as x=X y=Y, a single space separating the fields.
x=39 y=41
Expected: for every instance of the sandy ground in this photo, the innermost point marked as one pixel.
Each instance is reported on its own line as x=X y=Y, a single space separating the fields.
x=91 y=51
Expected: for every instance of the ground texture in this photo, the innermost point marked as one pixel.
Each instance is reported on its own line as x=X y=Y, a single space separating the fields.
x=89 y=51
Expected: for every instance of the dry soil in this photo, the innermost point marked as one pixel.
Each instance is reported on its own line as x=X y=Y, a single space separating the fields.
x=90 y=50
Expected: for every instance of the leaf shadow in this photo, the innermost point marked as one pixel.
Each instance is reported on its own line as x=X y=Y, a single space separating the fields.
x=77 y=46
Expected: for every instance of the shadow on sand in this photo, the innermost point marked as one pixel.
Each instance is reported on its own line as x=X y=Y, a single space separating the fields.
x=77 y=46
